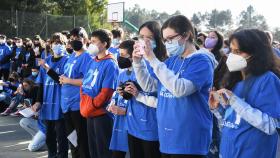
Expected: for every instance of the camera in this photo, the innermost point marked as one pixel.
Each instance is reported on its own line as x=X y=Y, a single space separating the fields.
x=126 y=95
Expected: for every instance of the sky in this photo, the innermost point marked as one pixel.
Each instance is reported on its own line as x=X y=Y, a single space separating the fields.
x=267 y=8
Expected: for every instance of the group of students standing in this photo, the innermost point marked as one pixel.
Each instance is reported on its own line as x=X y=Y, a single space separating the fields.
x=160 y=95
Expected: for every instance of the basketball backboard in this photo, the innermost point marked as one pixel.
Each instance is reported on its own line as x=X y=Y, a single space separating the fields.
x=115 y=12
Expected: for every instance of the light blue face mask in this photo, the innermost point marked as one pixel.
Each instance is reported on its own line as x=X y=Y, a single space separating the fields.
x=153 y=44
x=58 y=49
x=34 y=73
x=174 y=48
x=115 y=42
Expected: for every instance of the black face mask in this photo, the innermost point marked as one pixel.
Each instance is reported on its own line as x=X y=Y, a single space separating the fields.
x=124 y=62
x=77 y=45
x=69 y=50
x=37 y=45
x=11 y=79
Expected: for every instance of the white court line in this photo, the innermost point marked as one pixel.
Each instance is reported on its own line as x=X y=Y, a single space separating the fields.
x=20 y=143
x=23 y=149
x=42 y=156
x=43 y=152
x=6 y=132
x=15 y=124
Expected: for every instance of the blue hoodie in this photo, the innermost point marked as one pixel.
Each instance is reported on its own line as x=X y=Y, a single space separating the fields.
x=5 y=51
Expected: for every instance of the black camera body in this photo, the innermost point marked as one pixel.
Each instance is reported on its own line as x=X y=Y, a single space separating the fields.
x=126 y=95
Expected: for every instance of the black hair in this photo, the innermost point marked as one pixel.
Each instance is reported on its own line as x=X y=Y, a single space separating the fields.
x=14 y=75
x=79 y=32
x=181 y=24
x=116 y=33
x=3 y=36
x=66 y=33
x=226 y=42
x=30 y=82
x=219 y=45
x=127 y=45
x=203 y=34
x=255 y=43
x=103 y=36
x=154 y=27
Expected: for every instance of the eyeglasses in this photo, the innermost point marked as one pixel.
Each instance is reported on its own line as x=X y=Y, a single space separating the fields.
x=170 y=39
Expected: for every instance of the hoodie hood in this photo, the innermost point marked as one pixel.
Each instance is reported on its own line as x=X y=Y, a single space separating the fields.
x=210 y=55
x=108 y=56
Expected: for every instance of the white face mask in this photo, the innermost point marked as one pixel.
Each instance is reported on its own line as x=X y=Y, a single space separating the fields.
x=93 y=49
x=236 y=62
x=2 y=41
x=18 y=44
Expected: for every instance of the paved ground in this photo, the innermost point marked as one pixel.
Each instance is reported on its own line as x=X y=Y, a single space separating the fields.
x=14 y=140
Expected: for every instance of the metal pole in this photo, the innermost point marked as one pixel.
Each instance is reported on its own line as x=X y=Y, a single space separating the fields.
x=74 y=23
x=17 y=22
x=46 y=26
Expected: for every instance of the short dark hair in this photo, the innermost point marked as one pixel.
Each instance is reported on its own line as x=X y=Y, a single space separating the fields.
x=79 y=32
x=117 y=33
x=103 y=36
x=154 y=27
x=181 y=25
x=127 y=45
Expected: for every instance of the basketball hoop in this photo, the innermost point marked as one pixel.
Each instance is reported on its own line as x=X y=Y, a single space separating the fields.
x=115 y=13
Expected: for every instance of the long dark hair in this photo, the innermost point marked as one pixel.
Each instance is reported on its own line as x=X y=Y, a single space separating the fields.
x=219 y=45
x=30 y=82
x=255 y=43
x=154 y=27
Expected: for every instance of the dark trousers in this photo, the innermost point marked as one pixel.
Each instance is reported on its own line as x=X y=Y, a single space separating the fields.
x=139 y=148
x=5 y=74
x=181 y=156
x=75 y=121
x=216 y=138
x=99 y=136
x=118 y=154
x=56 y=139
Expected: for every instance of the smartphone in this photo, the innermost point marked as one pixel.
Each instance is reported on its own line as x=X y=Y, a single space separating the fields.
x=220 y=98
x=142 y=47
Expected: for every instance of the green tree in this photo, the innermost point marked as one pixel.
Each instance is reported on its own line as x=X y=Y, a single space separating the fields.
x=219 y=20
x=250 y=19
x=276 y=34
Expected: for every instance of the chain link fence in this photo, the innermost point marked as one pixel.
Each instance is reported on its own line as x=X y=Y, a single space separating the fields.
x=27 y=24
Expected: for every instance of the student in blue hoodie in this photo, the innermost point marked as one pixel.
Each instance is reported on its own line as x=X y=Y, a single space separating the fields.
x=116 y=40
x=50 y=112
x=250 y=105
x=182 y=83
x=15 y=54
x=75 y=70
x=141 y=119
x=8 y=88
x=5 y=56
x=97 y=89
x=119 y=140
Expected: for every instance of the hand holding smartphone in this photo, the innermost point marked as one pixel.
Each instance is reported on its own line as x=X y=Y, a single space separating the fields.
x=222 y=98
x=141 y=47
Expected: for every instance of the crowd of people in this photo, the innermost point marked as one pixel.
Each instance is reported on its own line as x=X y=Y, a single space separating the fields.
x=170 y=92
